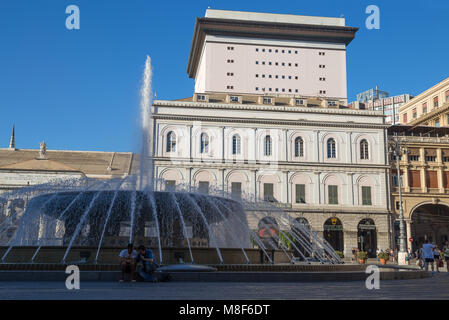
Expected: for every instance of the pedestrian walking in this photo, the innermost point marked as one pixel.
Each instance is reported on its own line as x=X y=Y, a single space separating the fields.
x=429 y=257
x=446 y=255
x=436 y=257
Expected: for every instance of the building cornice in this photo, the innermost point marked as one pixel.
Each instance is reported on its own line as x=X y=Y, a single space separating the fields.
x=262 y=165
x=260 y=107
x=246 y=121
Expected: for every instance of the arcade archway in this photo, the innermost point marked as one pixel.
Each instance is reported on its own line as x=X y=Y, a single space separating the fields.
x=367 y=237
x=333 y=233
x=430 y=221
x=268 y=231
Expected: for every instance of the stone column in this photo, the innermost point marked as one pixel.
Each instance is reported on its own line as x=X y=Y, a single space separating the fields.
x=317 y=146
x=223 y=144
x=190 y=140
x=287 y=188
x=255 y=145
x=223 y=182
x=405 y=180
x=190 y=179
x=351 y=196
x=254 y=184
x=423 y=179
x=440 y=171
x=409 y=233
x=349 y=150
x=349 y=241
x=318 y=197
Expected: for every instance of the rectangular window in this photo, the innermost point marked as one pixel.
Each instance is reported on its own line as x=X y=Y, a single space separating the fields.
x=447 y=96
x=366 y=196
x=431 y=158
x=234 y=99
x=414 y=179
x=267 y=101
x=203 y=187
x=268 y=192
x=395 y=180
x=332 y=192
x=435 y=102
x=299 y=102
x=415 y=114
x=413 y=158
x=236 y=190
x=424 y=107
x=170 y=185
x=431 y=179
x=300 y=193
x=404 y=118
x=437 y=123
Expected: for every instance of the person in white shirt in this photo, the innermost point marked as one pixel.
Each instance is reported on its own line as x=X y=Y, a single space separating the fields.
x=428 y=253
x=128 y=262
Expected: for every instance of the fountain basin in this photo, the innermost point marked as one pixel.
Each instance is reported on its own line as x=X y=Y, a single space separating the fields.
x=109 y=255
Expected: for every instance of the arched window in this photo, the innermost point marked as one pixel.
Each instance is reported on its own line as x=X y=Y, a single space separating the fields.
x=236 y=144
x=204 y=148
x=331 y=149
x=299 y=147
x=364 y=150
x=171 y=141
x=267 y=146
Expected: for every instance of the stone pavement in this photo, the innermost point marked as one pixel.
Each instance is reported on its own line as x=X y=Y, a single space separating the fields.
x=436 y=287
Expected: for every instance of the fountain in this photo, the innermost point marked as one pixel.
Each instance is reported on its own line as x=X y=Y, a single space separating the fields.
x=87 y=221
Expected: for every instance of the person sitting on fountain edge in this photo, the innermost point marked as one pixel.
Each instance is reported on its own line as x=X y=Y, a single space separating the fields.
x=149 y=264
x=128 y=262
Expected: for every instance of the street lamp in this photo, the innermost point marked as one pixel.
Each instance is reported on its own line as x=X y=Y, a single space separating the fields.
x=396 y=149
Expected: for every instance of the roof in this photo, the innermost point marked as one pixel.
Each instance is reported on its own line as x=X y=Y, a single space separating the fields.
x=91 y=163
x=274 y=17
x=39 y=164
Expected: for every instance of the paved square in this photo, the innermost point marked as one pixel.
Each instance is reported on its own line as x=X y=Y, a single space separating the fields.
x=436 y=287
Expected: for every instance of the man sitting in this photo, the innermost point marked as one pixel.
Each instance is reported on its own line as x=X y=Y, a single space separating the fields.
x=149 y=264
x=128 y=262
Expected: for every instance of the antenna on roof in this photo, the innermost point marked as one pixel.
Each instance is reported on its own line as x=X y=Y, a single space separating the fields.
x=12 y=141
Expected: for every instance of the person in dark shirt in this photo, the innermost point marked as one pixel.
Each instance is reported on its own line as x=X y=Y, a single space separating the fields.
x=149 y=264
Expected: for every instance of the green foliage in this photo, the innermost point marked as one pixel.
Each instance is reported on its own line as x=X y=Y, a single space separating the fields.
x=363 y=255
x=340 y=254
x=286 y=238
x=253 y=242
x=383 y=256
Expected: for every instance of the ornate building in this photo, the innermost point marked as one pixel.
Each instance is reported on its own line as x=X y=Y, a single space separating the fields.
x=430 y=108
x=424 y=167
x=331 y=175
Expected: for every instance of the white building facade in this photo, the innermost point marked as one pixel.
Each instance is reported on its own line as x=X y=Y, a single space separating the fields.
x=333 y=173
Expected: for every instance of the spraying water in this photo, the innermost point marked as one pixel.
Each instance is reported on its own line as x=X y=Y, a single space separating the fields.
x=146 y=165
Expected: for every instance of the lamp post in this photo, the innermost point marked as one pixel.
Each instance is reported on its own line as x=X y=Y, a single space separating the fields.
x=397 y=151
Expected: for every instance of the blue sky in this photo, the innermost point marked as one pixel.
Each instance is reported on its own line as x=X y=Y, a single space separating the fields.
x=79 y=89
